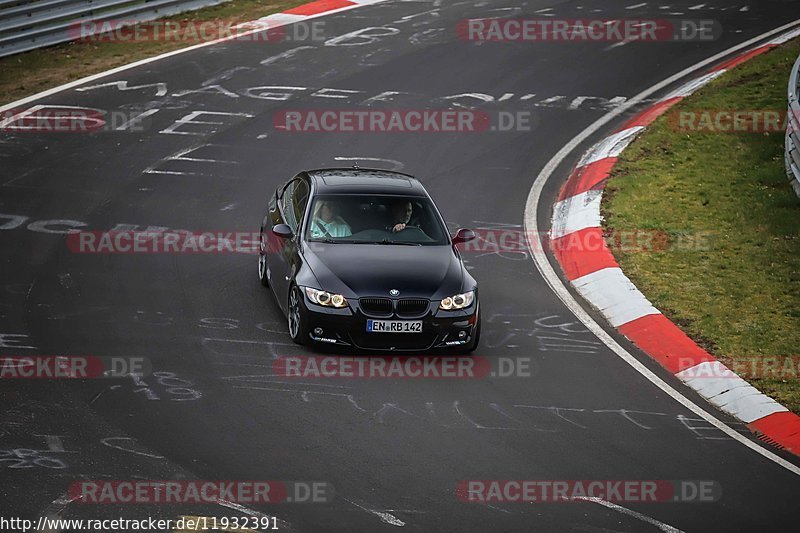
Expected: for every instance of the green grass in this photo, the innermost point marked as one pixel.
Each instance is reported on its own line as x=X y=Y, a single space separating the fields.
x=738 y=297
x=31 y=72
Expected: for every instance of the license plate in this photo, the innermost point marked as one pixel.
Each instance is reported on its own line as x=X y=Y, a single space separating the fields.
x=394 y=326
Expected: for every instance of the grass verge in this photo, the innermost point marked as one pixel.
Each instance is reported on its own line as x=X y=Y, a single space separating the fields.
x=31 y=72
x=736 y=290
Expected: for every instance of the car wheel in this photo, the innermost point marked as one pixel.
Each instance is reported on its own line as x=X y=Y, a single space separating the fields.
x=262 y=261
x=298 y=329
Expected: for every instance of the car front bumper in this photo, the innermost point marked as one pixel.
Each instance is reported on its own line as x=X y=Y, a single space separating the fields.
x=348 y=327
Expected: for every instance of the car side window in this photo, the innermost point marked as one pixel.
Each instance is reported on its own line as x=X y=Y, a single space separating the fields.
x=286 y=204
x=299 y=201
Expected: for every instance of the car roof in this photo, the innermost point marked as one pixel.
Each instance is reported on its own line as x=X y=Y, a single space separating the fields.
x=364 y=181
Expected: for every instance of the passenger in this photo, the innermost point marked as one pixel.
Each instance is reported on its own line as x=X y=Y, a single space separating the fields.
x=326 y=221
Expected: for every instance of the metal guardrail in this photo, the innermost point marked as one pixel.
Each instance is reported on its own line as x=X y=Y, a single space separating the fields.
x=793 y=129
x=29 y=24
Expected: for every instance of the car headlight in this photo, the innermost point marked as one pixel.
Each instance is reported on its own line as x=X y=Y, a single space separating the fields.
x=458 y=301
x=325 y=298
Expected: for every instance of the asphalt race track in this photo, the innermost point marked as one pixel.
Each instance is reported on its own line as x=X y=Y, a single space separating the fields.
x=394 y=449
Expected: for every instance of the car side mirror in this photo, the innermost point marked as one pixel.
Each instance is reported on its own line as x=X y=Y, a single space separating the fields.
x=463 y=235
x=283 y=231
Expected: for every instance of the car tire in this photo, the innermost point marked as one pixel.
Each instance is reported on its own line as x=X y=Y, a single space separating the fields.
x=262 y=260
x=298 y=328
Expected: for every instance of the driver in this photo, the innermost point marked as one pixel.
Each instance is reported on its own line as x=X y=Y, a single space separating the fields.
x=401 y=215
x=326 y=221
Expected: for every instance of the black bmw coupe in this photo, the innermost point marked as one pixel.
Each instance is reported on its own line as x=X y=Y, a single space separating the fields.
x=362 y=258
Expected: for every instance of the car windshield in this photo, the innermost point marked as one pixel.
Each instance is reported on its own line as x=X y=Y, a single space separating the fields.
x=375 y=219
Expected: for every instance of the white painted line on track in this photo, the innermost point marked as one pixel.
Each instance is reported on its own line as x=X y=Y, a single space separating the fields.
x=284 y=525
x=110 y=442
x=10 y=120
x=624 y=510
x=53 y=511
x=137 y=119
x=385 y=517
x=544 y=267
x=618 y=44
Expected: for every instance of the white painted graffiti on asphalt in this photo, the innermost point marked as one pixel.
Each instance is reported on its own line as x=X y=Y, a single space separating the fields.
x=28 y=458
x=65 y=227
x=285 y=93
x=32 y=458
x=492 y=416
x=15 y=341
x=166 y=386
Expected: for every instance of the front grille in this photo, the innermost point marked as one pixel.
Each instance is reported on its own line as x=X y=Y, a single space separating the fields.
x=412 y=307
x=376 y=306
x=396 y=341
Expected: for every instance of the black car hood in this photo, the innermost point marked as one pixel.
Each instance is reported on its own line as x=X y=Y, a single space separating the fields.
x=358 y=270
